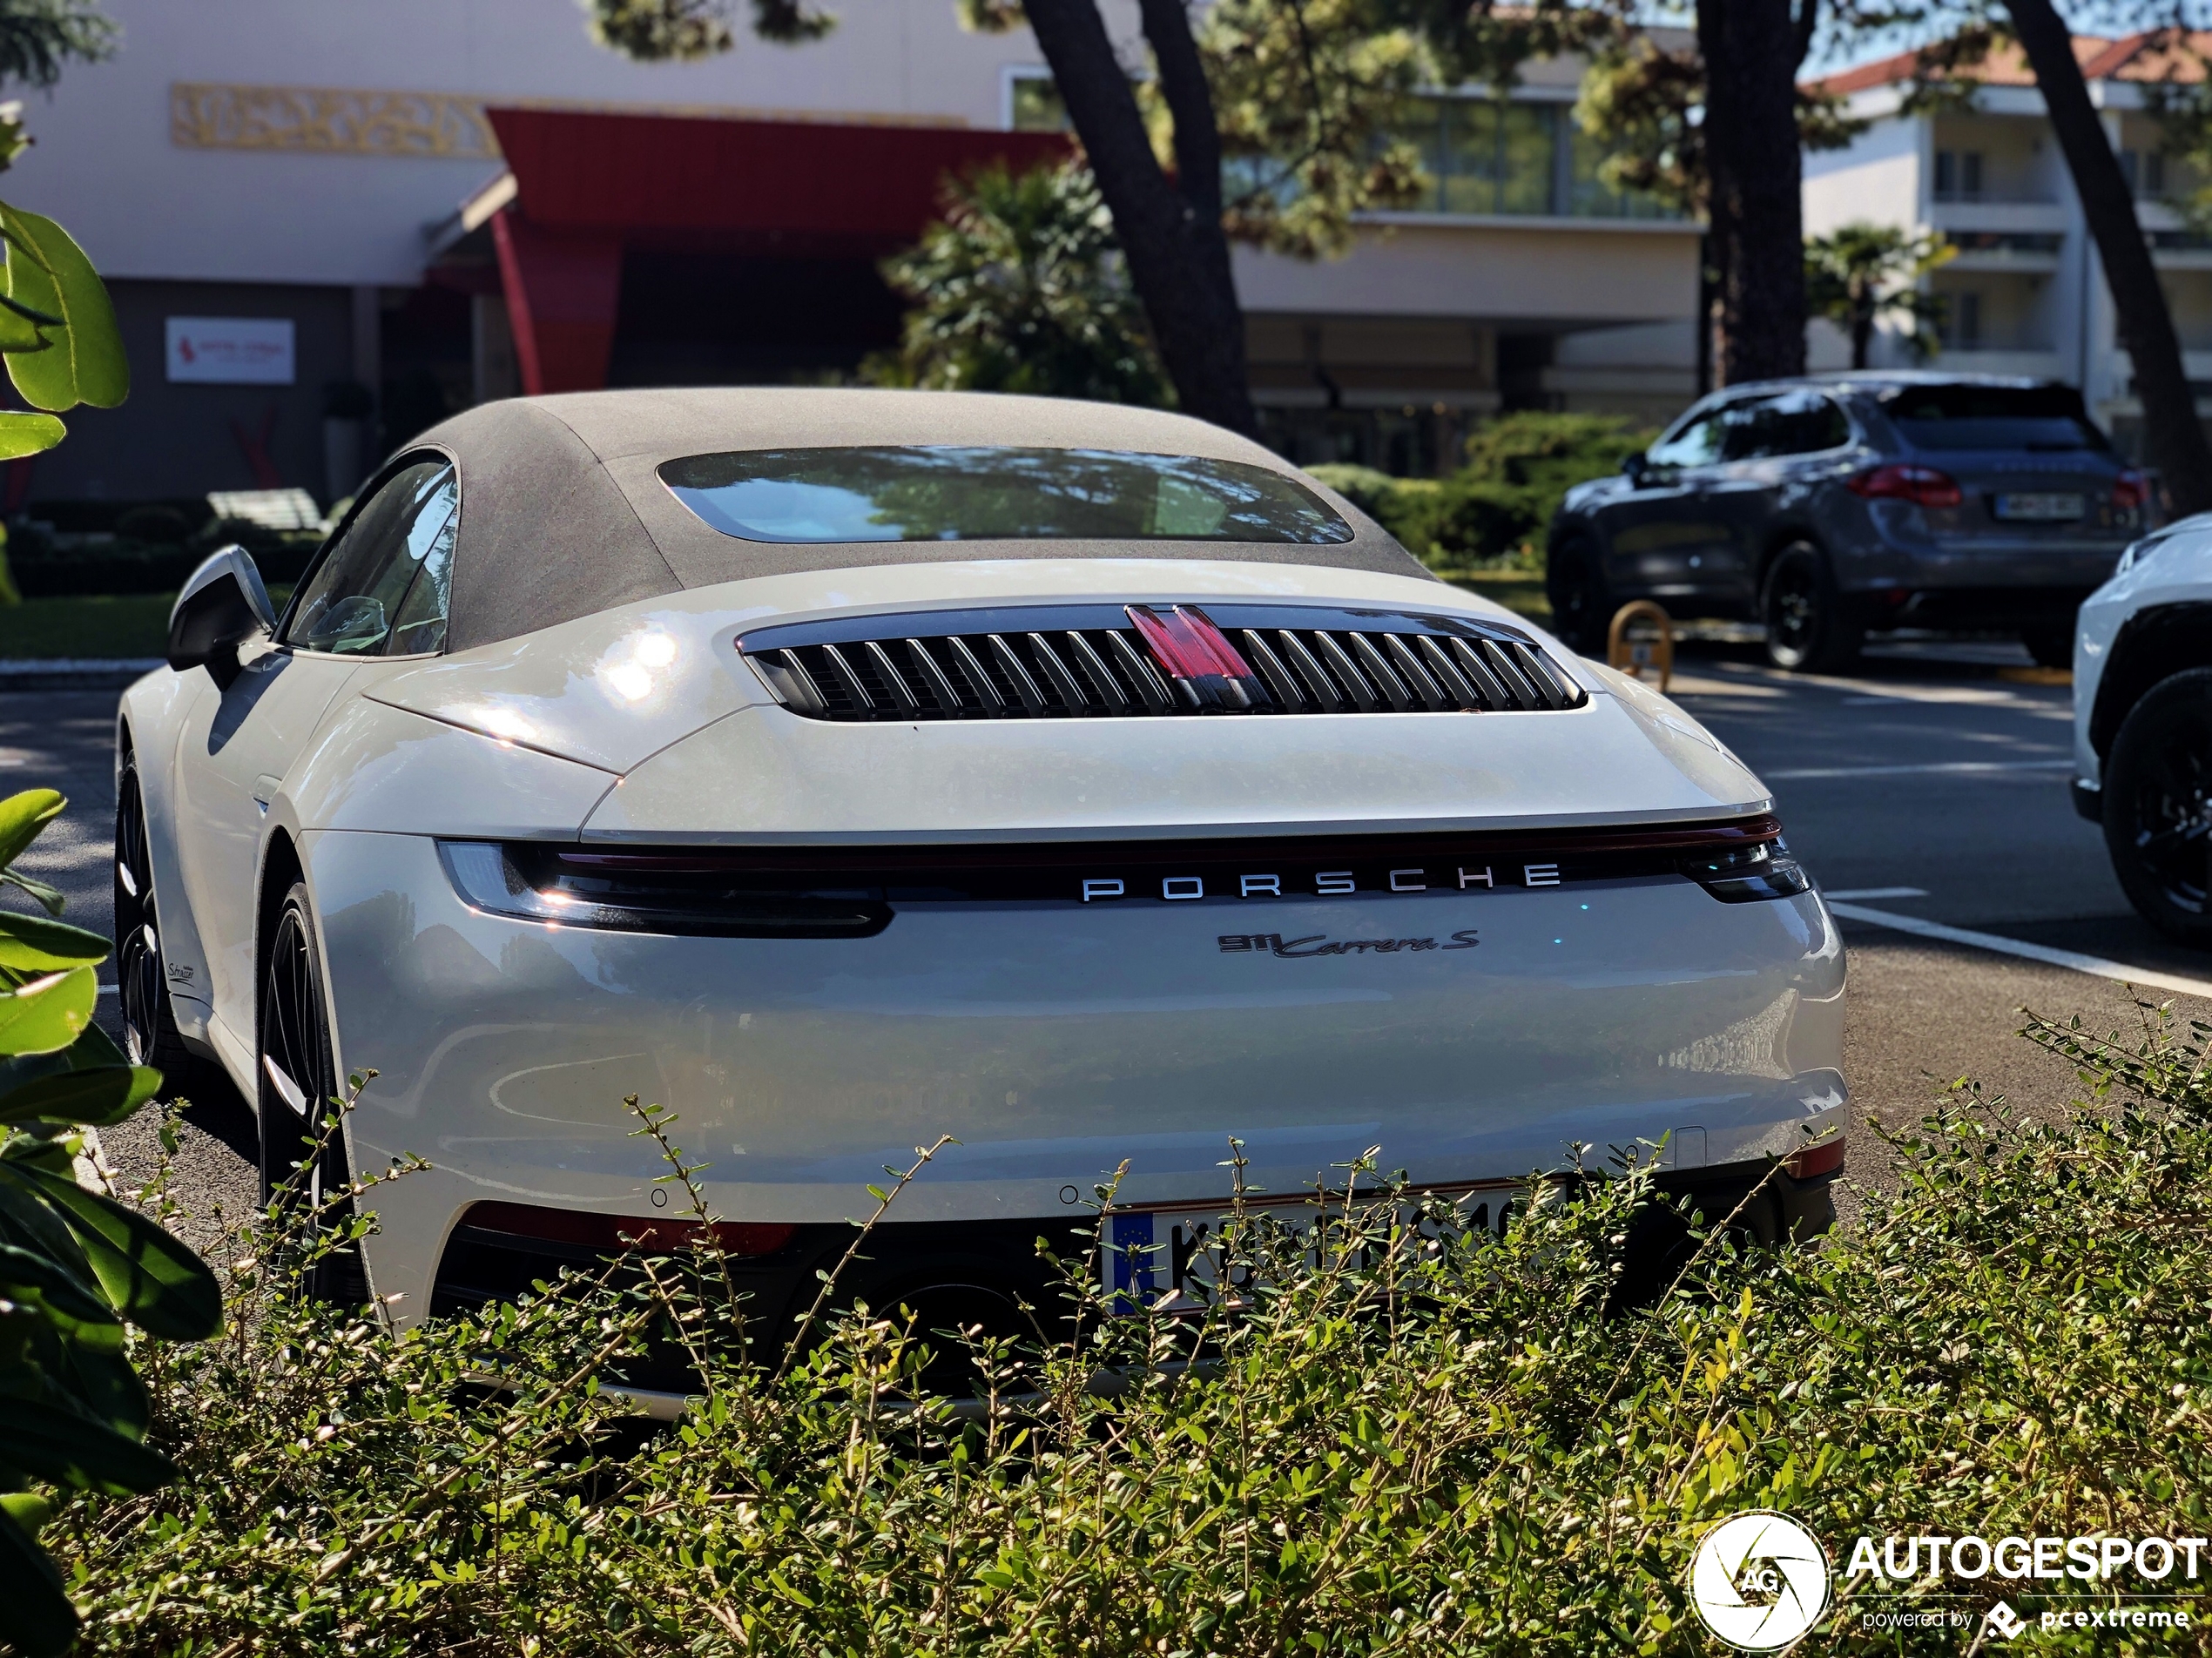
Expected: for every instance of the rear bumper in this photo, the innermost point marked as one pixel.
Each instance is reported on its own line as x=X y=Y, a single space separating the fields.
x=1055 y=1043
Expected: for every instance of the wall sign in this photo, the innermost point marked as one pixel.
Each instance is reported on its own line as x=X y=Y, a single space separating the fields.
x=231 y=351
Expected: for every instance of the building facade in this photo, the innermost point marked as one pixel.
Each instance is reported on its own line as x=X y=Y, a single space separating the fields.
x=405 y=206
x=2025 y=293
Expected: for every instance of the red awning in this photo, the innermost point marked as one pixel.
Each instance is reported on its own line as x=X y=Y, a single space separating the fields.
x=587 y=184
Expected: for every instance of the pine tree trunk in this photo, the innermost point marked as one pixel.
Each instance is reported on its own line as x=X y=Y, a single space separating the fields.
x=1170 y=228
x=2173 y=439
x=1751 y=50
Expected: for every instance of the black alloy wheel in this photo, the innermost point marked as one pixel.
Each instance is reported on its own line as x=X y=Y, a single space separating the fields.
x=1581 y=611
x=1810 y=628
x=2158 y=807
x=149 y=1025
x=296 y=1071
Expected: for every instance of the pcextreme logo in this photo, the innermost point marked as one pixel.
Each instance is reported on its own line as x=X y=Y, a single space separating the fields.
x=1759 y=1580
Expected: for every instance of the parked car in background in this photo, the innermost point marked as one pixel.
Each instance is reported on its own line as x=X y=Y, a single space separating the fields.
x=1826 y=507
x=841 y=769
x=2143 y=725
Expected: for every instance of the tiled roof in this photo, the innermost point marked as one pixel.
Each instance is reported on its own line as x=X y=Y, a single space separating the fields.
x=2161 y=55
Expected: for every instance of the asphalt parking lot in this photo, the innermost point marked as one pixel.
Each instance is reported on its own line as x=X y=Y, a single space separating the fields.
x=1928 y=787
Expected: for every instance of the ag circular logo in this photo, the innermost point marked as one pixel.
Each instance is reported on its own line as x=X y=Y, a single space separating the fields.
x=1759 y=1580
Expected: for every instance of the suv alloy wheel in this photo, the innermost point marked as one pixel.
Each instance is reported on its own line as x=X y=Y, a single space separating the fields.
x=1810 y=628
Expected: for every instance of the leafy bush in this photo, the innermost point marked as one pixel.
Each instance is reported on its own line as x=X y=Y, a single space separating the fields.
x=1408 y=1433
x=1020 y=288
x=77 y=1268
x=50 y=564
x=1494 y=508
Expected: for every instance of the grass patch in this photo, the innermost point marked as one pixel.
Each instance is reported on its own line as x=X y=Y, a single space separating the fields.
x=1411 y=1434
x=95 y=625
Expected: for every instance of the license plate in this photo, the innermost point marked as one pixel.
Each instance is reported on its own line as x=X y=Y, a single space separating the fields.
x=1173 y=1261
x=2040 y=508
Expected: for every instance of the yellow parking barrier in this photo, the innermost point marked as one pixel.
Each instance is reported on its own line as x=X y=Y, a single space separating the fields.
x=1651 y=645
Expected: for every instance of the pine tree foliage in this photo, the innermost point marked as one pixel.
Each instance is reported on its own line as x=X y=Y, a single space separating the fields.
x=1020 y=287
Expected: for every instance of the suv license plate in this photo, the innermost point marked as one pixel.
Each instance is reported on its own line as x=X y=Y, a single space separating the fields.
x=2040 y=508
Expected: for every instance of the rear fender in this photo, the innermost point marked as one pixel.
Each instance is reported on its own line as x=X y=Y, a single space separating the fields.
x=148 y=723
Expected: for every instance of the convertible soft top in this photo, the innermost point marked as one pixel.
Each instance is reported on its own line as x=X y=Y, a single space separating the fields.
x=564 y=513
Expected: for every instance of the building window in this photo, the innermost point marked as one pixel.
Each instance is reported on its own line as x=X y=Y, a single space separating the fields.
x=1489 y=156
x=1033 y=103
x=2145 y=171
x=1957 y=175
x=1962 y=327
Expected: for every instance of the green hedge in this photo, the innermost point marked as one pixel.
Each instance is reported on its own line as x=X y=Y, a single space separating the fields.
x=46 y=565
x=1496 y=507
x=1428 y=1439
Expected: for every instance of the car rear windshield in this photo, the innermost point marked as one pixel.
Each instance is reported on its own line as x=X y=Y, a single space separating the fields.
x=947 y=494
x=1993 y=417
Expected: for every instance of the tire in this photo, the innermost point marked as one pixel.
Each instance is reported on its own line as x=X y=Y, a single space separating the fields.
x=2050 y=644
x=2158 y=807
x=150 y=1035
x=1810 y=626
x=1582 y=608
x=296 y=1076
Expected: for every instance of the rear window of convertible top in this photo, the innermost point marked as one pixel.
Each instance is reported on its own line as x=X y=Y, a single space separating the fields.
x=976 y=494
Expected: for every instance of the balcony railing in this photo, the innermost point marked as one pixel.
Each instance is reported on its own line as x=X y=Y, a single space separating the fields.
x=1996 y=198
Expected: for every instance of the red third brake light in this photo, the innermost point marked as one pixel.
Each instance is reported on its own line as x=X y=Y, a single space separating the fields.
x=1196 y=653
x=2130 y=490
x=1922 y=486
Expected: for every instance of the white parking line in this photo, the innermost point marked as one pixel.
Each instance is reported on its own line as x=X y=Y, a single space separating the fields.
x=1960 y=767
x=2095 y=965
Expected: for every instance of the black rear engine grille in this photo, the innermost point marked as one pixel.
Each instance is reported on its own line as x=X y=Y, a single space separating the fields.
x=1073 y=662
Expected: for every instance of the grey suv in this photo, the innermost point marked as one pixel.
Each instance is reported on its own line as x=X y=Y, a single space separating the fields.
x=1828 y=506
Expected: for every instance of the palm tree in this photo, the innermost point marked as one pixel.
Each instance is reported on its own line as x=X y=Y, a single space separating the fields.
x=1861 y=272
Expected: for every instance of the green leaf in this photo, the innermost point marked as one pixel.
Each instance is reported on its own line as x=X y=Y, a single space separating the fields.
x=22 y=816
x=19 y=329
x=96 y=1097
x=36 y=1616
x=89 y=1083
x=50 y=1441
x=50 y=898
x=48 y=271
x=31 y=943
x=28 y=1270
x=47 y=1014
x=44 y=319
x=24 y=434
x=29 y=1509
x=152 y=1278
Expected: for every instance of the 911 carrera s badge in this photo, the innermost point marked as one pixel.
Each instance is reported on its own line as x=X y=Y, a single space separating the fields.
x=1317 y=944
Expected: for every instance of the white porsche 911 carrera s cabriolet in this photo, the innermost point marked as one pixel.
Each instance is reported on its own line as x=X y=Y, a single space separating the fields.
x=844 y=769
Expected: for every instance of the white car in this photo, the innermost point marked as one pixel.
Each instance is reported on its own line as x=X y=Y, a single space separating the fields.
x=2143 y=724
x=844 y=769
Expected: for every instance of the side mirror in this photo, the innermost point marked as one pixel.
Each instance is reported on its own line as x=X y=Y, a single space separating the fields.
x=223 y=605
x=1634 y=466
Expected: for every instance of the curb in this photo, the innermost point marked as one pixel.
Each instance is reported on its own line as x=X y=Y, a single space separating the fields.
x=74 y=673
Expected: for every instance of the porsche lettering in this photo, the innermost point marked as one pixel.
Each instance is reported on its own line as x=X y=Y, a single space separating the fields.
x=1323 y=883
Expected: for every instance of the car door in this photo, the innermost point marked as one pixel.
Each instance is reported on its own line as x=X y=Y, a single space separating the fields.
x=1659 y=534
x=359 y=600
x=1763 y=477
